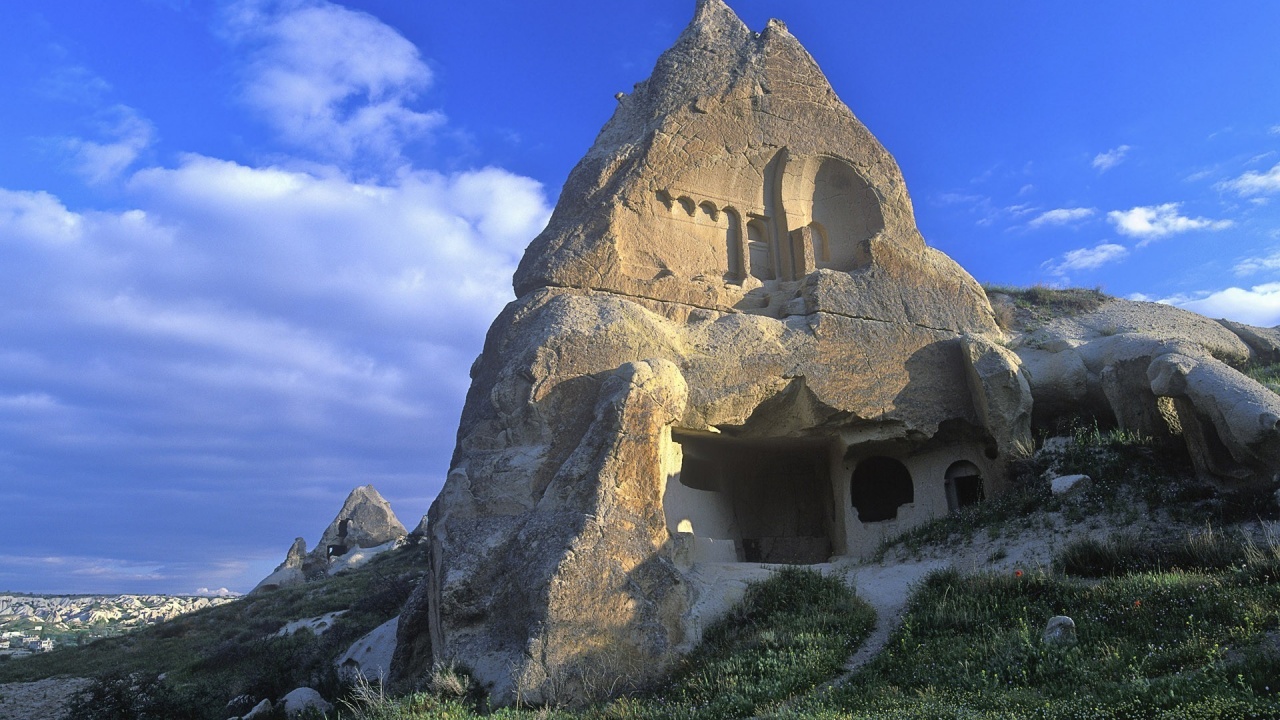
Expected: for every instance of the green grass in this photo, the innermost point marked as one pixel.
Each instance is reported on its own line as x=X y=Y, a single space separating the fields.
x=1199 y=642
x=789 y=634
x=1268 y=375
x=213 y=655
x=1040 y=303
x=1181 y=644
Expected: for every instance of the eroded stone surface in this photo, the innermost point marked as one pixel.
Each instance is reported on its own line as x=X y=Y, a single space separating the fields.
x=1162 y=372
x=732 y=347
x=731 y=344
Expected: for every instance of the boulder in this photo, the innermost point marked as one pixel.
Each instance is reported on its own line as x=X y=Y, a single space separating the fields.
x=1063 y=484
x=1162 y=372
x=303 y=699
x=370 y=656
x=1264 y=343
x=1060 y=630
x=730 y=344
x=260 y=710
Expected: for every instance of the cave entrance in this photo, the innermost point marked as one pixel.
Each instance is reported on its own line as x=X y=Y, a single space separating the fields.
x=964 y=485
x=879 y=486
x=760 y=500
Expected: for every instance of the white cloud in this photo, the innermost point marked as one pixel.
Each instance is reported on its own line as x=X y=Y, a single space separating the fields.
x=1254 y=265
x=1157 y=221
x=1258 y=305
x=37 y=217
x=1274 y=129
x=1104 y=161
x=1060 y=216
x=1255 y=183
x=336 y=81
x=103 y=162
x=249 y=329
x=1087 y=258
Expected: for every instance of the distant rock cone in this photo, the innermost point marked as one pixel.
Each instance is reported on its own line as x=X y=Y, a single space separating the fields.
x=365 y=521
x=290 y=572
x=730 y=344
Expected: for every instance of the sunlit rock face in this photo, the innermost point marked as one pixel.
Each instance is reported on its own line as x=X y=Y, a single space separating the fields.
x=730 y=346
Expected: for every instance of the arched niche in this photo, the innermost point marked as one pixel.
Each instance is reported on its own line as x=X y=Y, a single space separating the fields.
x=879 y=486
x=963 y=484
x=759 y=253
x=734 y=248
x=847 y=212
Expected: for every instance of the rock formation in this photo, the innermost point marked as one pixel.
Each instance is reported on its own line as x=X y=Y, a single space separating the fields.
x=1163 y=372
x=732 y=345
x=365 y=523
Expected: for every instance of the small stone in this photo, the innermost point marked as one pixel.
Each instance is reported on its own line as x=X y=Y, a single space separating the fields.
x=1060 y=630
x=1064 y=484
x=259 y=710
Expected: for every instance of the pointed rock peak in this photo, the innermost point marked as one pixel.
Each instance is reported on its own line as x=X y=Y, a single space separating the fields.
x=715 y=15
x=713 y=27
x=365 y=520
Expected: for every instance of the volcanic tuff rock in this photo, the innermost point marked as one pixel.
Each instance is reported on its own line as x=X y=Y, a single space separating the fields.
x=365 y=522
x=732 y=345
x=1163 y=372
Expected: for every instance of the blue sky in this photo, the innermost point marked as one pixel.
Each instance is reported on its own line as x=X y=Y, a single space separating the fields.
x=249 y=250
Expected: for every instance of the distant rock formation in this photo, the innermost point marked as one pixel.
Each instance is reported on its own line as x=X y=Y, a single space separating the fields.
x=363 y=527
x=1163 y=372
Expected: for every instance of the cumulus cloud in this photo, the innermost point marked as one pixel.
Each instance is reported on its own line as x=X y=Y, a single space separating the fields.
x=1255 y=265
x=1087 y=258
x=1060 y=216
x=1149 y=223
x=99 y=162
x=1255 y=183
x=1258 y=305
x=251 y=331
x=244 y=331
x=1104 y=161
x=336 y=81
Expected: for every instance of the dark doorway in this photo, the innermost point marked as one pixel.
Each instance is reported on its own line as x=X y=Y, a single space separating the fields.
x=964 y=485
x=774 y=497
x=880 y=485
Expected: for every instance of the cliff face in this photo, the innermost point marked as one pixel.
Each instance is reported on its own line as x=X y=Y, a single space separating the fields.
x=730 y=345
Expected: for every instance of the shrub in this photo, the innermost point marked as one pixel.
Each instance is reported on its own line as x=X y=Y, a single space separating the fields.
x=120 y=696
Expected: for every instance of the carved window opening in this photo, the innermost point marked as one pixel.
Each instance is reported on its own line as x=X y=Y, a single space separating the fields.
x=734 y=248
x=761 y=500
x=880 y=485
x=964 y=485
x=759 y=254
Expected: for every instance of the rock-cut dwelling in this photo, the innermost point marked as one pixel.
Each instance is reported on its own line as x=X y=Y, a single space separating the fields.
x=730 y=345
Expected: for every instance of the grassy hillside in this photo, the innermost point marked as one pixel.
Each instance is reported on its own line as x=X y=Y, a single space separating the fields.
x=211 y=656
x=1181 y=623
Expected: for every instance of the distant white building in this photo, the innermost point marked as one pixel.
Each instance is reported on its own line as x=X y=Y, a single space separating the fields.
x=4 y=644
x=45 y=645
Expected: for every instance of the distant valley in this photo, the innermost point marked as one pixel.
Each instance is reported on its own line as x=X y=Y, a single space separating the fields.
x=42 y=622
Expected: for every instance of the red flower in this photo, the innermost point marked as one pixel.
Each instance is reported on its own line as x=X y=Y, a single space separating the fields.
x=1137 y=603
x=1017 y=573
